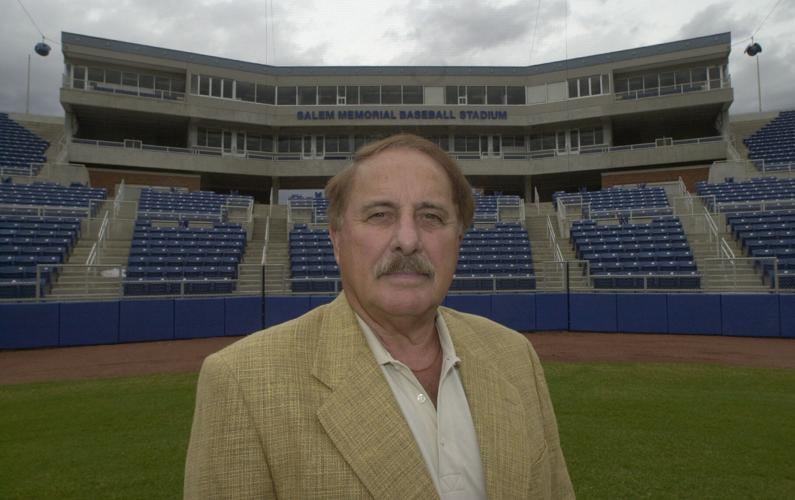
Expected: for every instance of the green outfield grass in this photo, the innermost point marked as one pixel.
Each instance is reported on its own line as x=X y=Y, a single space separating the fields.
x=628 y=431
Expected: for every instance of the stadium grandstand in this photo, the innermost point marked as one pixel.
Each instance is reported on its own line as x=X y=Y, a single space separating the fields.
x=182 y=196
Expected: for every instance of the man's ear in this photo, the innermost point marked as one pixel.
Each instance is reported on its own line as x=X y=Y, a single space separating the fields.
x=334 y=236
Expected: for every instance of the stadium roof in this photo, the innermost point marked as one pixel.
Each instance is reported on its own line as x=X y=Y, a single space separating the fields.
x=579 y=62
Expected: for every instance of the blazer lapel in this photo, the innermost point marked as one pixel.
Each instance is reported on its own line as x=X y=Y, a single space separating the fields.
x=361 y=416
x=497 y=413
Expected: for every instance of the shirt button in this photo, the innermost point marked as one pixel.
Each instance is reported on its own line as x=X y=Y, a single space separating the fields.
x=421 y=397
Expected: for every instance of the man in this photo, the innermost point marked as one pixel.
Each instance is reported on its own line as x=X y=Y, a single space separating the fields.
x=382 y=393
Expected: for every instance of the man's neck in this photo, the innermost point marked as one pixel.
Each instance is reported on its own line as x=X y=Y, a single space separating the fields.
x=405 y=337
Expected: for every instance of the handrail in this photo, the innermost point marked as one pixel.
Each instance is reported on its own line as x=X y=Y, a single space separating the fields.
x=553 y=241
x=265 y=243
x=537 y=200
x=120 y=194
x=271 y=197
x=682 y=187
x=713 y=230
x=95 y=253
x=726 y=249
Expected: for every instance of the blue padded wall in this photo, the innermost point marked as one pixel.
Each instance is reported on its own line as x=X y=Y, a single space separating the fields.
x=320 y=300
x=89 y=323
x=194 y=318
x=642 y=313
x=751 y=315
x=515 y=311
x=281 y=309
x=552 y=311
x=23 y=326
x=146 y=320
x=593 y=312
x=694 y=313
x=473 y=304
x=786 y=307
x=243 y=315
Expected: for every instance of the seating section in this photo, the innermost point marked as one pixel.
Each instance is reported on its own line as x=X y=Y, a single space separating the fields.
x=317 y=204
x=50 y=199
x=21 y=151
x=768 y=235
x=615 y=202
x=650 y=255
x=28 y=242
x=193 y=205
x=495 y=258
x=312 y=264
x=184 y=259
x=487 y=207
x=773 y=146
x=754 y=194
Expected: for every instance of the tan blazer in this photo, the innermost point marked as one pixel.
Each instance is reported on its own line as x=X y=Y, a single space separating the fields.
x=302 y=410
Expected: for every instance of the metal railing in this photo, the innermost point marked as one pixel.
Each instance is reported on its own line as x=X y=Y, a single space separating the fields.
x=30 y=170
x=95 y=255
x=676 y=89
x=294 y=156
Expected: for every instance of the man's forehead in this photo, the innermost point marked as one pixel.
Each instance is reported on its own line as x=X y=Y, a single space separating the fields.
x=400 y=168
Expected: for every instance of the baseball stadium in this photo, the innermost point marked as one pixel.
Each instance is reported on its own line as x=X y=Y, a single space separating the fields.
x=641 y=236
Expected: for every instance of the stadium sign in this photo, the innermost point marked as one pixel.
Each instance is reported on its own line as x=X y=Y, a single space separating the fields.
x=389 y=114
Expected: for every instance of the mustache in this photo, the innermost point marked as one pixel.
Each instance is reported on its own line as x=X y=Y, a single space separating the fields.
x=413 y=263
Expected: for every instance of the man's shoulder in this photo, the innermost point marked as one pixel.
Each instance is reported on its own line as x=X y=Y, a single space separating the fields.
x=291 y=340
x=497 y=333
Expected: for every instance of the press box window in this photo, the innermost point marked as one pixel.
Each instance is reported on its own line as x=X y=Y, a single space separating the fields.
x=370 y=94
x=412 y=94
x=390 y=94
x=327 y=95
x=286 y=96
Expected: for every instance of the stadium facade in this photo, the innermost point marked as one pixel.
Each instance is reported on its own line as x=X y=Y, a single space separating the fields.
x=179 y=118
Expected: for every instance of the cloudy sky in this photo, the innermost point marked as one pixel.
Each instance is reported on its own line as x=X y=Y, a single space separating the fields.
x=399 y=32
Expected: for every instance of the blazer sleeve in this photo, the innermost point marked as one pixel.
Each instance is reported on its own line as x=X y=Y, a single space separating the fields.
x=561 y=486
x=225 y=457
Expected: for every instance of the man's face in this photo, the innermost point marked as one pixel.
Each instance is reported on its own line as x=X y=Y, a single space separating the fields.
x=398 y=238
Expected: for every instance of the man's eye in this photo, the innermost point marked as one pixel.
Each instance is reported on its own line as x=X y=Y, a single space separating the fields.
x=433 y=218
x=377 y=216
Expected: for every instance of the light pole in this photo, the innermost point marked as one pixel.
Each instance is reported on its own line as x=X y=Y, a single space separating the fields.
x=43 y=50
x=752 y=50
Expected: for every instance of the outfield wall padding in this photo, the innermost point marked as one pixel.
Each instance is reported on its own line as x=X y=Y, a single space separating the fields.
x=199 y=318
x=786 y=309
x=642 y=312
x=242 y=315
x=88 y=323
x=473 y=304
x=25 y=326
x=146 y=320
x=593 y=312
x=515 y=311
x=552 y=311
x=694 y=313
x=281 y=309
x=751 y=315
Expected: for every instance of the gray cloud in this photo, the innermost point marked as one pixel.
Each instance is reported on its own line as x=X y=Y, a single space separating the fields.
x=462 y=32
x=441 y=32
x=776 y=69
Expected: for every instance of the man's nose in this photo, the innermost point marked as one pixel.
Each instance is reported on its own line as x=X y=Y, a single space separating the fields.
x=407 y=235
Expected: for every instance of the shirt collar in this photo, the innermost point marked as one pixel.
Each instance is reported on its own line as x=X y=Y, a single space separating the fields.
x=383 y=357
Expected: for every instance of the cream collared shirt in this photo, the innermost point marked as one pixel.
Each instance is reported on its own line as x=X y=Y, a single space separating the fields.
x=445 y=435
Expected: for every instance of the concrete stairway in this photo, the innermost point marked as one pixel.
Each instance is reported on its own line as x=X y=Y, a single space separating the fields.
x=277 y=265
x=551 y=276
x=718 y=273
x=76 y=281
